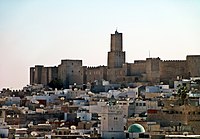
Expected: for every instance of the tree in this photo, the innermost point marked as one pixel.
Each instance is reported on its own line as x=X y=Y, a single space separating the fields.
x=56 y=83
x=182 y=93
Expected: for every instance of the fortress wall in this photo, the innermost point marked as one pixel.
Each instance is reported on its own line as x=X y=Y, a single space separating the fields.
x=116 y=59
x=153 y=70
x=96 y=73
x=138 y=68
x=139 y=61
x=44 y=76
x=193 y=65
x=52 y=74
x=62 y=70
x=116 y=75
x=169 y=70
x=70 y=72
x=38 y=74
x=32 y=74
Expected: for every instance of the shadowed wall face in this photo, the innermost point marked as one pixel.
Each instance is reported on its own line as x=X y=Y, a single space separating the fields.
x=193 y=65
x=70 y=72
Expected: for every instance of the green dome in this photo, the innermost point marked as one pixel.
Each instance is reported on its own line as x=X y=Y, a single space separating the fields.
x=136 y=128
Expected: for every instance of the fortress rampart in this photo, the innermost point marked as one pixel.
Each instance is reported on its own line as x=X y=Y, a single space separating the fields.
x=173 y=61
x=151 y=70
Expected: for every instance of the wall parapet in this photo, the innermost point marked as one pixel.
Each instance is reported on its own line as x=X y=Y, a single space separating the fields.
x=93 y=67
x=173 y=60
x=193 y=56
x=139 y=61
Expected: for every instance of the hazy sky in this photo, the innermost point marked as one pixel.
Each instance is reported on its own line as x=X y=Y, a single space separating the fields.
x=45 y=31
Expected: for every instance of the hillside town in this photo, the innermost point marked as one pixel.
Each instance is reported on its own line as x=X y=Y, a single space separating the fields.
x=146 y=99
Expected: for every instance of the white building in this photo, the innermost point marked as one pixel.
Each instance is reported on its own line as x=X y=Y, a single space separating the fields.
x=142 y=106
x=84 y=115
x=112 y=123
x=3 y=125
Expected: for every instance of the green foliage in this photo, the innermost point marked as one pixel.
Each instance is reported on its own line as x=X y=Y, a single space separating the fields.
x=56 y=83
x=182 y=93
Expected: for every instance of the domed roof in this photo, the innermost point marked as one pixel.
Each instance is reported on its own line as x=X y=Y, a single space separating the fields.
x=136 y=128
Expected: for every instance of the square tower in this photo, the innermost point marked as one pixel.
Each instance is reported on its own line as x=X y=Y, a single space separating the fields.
x=112 y=123
x=116 y=56
x=70 y=72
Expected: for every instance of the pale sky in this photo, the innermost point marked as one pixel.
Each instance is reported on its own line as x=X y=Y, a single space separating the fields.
x=43 y=32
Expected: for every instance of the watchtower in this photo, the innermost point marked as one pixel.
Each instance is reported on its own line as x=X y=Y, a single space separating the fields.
x=116 y=56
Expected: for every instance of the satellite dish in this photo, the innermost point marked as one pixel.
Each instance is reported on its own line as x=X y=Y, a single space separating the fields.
x=62 y=124
x=41 y=106
x=90 y=93
x=30 y=124
x=34 y=134
x=73 y=127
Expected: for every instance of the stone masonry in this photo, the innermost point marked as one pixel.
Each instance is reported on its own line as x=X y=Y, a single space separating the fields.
x=151 y=70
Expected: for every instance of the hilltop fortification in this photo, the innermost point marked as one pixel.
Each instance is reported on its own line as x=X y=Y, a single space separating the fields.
x=151 y=70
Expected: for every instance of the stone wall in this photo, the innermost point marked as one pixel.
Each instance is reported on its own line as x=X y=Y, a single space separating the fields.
x=38 y=74
x=70 y=72
x=193 y=65
x=32 y=75
x=42 y=75
x=169 y=70
x=116 y=75
x=137 y=71
x=44 y=79
x=96 y=73
x=138 y=68
x=153 y=70
x=116 y=42
x=116 y=56
x=52 y=73
x=116 y=59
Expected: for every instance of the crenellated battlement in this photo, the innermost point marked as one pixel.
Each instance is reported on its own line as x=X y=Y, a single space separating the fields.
x=195 y=56
x=173 y=60
x=158 y=58
x=117 y=71
x=139 y=61
x=92 y=67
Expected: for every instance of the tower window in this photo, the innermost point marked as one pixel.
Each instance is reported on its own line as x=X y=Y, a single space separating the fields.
x=115 y=118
